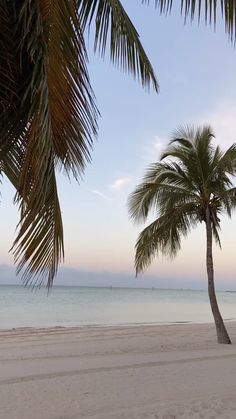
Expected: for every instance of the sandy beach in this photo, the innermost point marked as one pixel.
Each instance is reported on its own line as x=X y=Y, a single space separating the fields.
x=168 y=372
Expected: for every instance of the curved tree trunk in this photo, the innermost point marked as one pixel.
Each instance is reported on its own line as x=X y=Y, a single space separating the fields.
x=222 y=334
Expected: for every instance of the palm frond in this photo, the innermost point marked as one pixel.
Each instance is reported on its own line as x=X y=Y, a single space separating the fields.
x=164 y=235
x=194 y=152
x=148 y=245
x=43 y=75
x=39 y=248
x=216 y=235
x=71 y=108
x=228 y=200
x=113 y=25
x=7 y=60
x=227 y=160
x=161 y=183
x=209 y=9
x=55 y=122
x=181 y=142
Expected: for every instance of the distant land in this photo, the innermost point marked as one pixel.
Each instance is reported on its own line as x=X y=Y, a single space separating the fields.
x=75 y=277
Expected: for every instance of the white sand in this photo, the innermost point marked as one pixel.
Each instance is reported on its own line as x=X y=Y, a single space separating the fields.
x=166 y=372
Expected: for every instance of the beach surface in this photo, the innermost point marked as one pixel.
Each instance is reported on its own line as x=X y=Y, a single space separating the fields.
x=132 y=372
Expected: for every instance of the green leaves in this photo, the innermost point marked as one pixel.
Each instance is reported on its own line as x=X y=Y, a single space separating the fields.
x=38 y=247
x=49 y=116
x=113 y=25
x=52 y=122
x=209 y=9
x=191 y=178
x=48 y=111
x=164 y=234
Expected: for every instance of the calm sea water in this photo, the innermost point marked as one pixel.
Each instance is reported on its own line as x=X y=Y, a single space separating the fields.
x=72 y=306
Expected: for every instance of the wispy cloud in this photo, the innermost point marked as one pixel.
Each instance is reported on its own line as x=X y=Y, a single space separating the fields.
x=223 y=121
x=120 y=183
x=155 y=148
x=159 y=144
x=102 y=195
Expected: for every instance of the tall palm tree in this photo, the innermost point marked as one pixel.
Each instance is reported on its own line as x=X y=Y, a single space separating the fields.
x=192 y=183
x=47 y=105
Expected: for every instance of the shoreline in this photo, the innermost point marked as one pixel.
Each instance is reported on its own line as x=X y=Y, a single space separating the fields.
x=111 y=325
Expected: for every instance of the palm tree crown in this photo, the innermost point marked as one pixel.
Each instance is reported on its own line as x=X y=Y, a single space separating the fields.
x=192 y=179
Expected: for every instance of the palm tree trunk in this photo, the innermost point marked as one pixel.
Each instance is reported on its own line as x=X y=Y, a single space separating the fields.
x=222 y=334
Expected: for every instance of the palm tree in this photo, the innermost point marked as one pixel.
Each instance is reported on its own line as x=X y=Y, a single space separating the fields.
x=192 y=183
x=47 y=105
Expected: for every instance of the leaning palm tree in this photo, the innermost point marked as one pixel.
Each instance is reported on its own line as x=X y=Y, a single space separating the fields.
x=47 y=105
x=192 y=183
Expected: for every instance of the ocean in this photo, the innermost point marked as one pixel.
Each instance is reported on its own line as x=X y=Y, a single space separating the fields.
x=80 y=306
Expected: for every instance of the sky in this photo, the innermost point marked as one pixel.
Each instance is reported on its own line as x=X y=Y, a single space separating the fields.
x=195 y=67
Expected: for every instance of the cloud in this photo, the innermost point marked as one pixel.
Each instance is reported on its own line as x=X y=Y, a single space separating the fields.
x=159 y=145
x=223 y=122
x=155 y=148
x=102 y=195
x=120 y=183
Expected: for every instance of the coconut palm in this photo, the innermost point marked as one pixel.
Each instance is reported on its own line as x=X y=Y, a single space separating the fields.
x=47 y=105
x=192 y=183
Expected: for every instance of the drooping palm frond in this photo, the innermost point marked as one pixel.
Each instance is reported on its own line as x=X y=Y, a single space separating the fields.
x=209 y=9
x=227 y=160
x=192 y=147
x=114 y=26
x=161 y=181
x=61 y=122
x=48 y=112
x=71 y=106
x=164 y=234
x=38 y=247
x=228 y=200
x=7 y=60
x=54 y=124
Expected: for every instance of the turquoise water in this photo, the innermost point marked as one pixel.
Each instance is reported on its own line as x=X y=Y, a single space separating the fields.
x=74 y=306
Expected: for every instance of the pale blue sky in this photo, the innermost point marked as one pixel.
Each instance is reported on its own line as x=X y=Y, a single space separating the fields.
x=196 y=70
